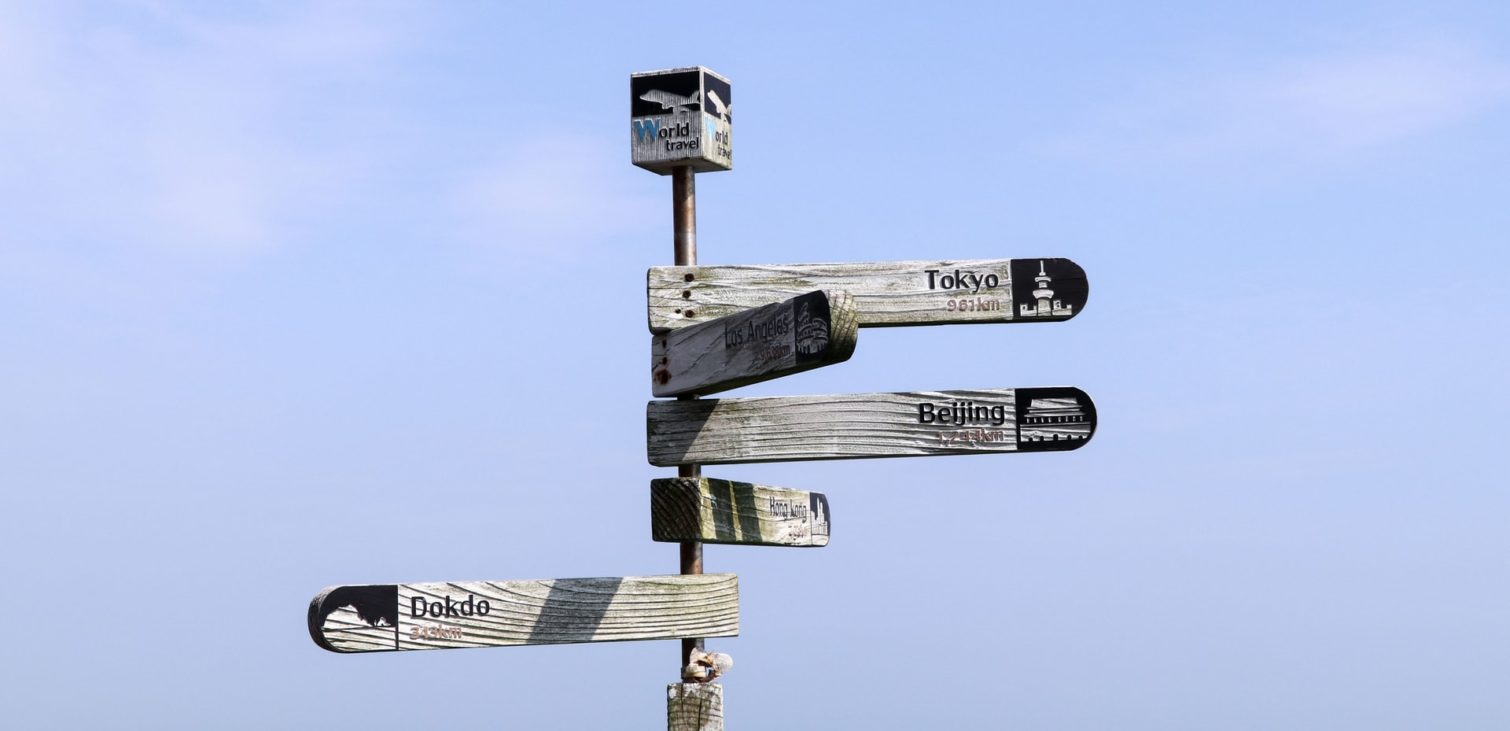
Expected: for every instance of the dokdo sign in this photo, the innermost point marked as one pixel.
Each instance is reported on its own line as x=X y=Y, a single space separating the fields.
x=681 y=117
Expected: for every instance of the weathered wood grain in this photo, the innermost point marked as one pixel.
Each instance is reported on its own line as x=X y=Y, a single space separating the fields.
x=858 y=426
x=694 y=707
x=384 y=617
x=723 y=511
x=934 y=292
x=799 y=334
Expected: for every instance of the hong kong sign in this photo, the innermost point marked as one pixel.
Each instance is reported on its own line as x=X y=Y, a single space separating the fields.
x=681 y=117
x=805 y=332
x=886 y=293
x=434 y=616
x=724 y=511
x=858 y=426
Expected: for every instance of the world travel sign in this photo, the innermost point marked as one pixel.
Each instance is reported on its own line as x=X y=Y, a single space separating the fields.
x=681 y=117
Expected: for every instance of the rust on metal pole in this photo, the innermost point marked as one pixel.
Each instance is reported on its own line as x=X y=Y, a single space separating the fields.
x=684 y=215
x=684 y=228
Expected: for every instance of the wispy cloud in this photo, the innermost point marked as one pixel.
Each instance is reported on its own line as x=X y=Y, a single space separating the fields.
x=207 y=132
x=550 y=197
x=154 y=125
x=1300 y=106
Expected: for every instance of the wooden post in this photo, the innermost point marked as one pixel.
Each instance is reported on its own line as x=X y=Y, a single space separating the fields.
x=694 y=707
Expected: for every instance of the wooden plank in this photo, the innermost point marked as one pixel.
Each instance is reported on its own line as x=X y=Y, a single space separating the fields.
x=723 y=511
x=694 y=707
x=932 y=292
x=859 y=426
x=802 y=333
x=433 y=616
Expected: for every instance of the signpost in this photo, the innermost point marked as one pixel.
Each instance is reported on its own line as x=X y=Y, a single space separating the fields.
x=681 y=121
x=859 y=426
x=716 y=328
x=439 y=616
x=934 y=292
x=805 y=332
x=741 y=513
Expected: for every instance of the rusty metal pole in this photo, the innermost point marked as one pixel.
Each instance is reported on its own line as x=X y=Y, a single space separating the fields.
x=684 y=215
x=684 y=225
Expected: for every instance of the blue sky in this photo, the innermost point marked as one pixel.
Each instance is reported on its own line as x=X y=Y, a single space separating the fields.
x=323 y=294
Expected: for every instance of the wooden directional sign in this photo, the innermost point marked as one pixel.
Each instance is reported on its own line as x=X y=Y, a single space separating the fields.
x=886 y=293
x=382 y=617
x=805 y=332
x=723 y=511
x=858 y=426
